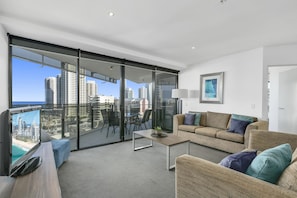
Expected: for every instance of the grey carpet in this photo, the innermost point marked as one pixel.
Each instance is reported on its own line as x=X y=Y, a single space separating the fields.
x=116 y=171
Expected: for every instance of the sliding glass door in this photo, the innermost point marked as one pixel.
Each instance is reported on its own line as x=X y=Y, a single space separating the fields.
x=47 y=79
x=100 y=107
x=165 y=105
x=138 y=100
x=89 y=98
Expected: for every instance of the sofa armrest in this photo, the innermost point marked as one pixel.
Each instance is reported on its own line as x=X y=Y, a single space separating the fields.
x=263 y=139
x=178 y=119
x=260 y=124
x=195 y=177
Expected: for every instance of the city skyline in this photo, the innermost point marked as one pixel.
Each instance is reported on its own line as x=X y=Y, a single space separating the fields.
x=60 y=89
x=29 y=82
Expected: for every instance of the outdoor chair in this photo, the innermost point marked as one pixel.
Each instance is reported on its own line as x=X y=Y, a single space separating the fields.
x=113 y=121
x=143 y=121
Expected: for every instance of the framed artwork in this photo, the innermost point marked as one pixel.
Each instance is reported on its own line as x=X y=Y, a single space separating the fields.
x=211 y=88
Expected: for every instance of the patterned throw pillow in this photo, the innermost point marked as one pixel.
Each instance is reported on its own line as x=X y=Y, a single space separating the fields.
x=239 y=161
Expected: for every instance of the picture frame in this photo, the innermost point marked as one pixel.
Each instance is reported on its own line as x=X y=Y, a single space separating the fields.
x=211 y=88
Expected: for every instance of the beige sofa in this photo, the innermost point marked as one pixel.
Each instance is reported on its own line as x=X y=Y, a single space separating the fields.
x=195 y=177
x=212 y=131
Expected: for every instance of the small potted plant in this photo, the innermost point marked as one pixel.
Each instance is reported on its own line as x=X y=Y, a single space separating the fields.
x=158 y=130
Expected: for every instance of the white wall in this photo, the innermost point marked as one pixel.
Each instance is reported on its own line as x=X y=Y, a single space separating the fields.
x=4 y=70
x=243 y=82
x=3 y=86
x=282 y=55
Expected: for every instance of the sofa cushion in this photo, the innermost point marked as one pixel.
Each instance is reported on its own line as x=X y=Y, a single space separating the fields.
x=270 y=163
x=234 y=137
x=188 y=128
x=217 y=120
x=288 y=179
x=203 y=118
x=207 y=131
x=197 y=119
x=238 y=126
x=189 y=119
x=239 y=161
x=244 y=118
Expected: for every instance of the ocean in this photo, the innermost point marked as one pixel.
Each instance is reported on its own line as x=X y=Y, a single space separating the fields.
x=27 y=103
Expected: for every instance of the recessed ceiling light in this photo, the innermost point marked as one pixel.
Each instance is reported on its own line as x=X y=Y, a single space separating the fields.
x=193 y=47
x=111 y=14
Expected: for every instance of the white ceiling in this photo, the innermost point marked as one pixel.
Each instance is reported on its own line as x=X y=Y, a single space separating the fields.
x=160 y=32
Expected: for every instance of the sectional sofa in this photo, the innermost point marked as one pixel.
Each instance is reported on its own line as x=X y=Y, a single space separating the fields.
x=196 y=177
x=222 y=131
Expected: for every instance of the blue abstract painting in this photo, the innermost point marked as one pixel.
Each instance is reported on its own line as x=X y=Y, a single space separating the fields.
x=211 y=88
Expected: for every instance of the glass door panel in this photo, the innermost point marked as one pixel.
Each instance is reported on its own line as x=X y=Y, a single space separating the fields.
x=138 y=100
x=165 y=105
x=99 y=102
x=47 y=79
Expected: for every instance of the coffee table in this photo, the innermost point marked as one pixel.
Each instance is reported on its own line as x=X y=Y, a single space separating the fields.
x=169 y=141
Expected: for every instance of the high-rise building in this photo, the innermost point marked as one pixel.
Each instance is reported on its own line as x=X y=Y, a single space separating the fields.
x=68 y=88
x=82 y=87
x=142 y=92
x=59 y=94
x=149 y=88
x=129 y=93
x=51 y=90
x=68 y=85
x=92 y=88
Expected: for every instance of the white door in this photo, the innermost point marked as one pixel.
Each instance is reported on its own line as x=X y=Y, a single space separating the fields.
x=287 y=106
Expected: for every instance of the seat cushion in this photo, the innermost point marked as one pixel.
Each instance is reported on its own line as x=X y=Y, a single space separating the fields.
x=188 y=128
x=207 y=131
x=234 y=137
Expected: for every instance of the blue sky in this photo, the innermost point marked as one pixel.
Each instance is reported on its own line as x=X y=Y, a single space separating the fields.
x=28 y=81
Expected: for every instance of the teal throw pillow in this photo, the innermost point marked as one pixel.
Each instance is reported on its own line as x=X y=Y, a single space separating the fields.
x=243 y=118
x=189 y=119
x=197 y=119
x=270 y=164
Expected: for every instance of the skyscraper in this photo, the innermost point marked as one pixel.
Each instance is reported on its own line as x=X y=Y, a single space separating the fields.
x=129 y=93
x=92 y=88
x=59 y=94
x=142 y=93
x=68 y=88
x=51 y=90
x=149 y=88
x=68 y=85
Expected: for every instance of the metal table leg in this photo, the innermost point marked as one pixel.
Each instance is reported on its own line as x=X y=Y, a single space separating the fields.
x=140 y=147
